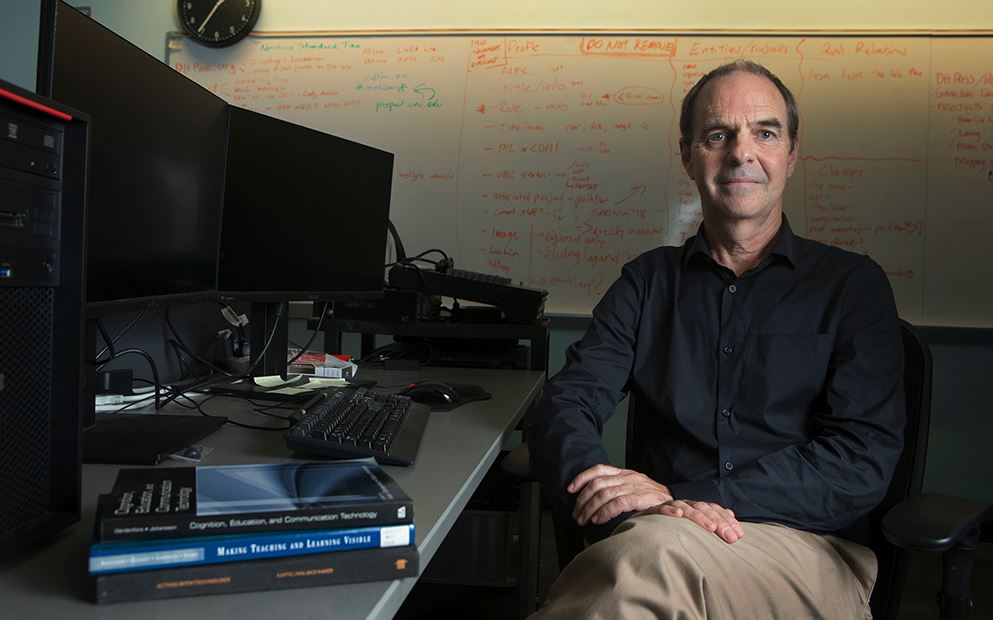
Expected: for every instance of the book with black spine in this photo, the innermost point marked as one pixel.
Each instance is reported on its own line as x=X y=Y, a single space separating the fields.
x=148 y=503
x=273 y=574
x=116 y=557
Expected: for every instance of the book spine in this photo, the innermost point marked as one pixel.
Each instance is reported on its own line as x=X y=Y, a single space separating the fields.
x=151 y=526
x=273 y=574
x=119 y=557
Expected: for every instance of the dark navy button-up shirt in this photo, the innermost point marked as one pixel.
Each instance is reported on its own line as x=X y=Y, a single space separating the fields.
x=777 y=394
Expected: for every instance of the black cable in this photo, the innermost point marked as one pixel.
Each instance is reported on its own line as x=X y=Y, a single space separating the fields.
x=277 y=317
x=379 y=352
x=248 y=373
x=426 y=252
x=262 y=411
x=184 y=366
x=180 y=360
x=396 y=350
x=417 y=259
x=317 y=330
x=113 y=340
x=199 y=408
x=151 y=363
x=420 y=276
x=190 y=353
x=401 y=254
x=110 y=346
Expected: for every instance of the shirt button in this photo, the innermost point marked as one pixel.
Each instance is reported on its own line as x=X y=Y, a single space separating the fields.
x=732 y=289
x=728 y=349
x=726 y=413
x=728 y=465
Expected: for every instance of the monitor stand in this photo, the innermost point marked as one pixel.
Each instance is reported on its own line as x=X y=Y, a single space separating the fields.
x=266 y=317
x=245 y=388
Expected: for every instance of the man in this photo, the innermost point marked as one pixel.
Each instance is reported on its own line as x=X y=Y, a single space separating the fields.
x=765 y=372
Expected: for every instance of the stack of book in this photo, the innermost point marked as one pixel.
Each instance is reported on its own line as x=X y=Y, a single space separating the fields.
x=167 y=532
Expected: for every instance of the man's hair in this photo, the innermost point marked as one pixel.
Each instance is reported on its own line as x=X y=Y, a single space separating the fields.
x=748 y=66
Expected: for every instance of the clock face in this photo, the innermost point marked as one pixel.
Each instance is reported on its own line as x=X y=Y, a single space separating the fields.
x=218 y=22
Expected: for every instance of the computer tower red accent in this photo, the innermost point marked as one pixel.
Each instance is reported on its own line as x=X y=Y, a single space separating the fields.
x=43 y=149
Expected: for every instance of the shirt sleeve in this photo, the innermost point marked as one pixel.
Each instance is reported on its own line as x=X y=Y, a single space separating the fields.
x=843 y=471
x=565 y=428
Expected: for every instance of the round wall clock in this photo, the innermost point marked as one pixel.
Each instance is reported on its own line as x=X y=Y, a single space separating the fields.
x=217 y=23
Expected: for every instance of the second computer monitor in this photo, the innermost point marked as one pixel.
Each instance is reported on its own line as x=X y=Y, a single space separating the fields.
x=305 y=213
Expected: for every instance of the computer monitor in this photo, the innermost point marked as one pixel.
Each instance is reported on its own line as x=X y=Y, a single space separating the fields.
x=156 y=166
x=305 y=213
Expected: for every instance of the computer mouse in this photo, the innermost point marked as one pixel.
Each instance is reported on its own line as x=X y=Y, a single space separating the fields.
x=432 y=393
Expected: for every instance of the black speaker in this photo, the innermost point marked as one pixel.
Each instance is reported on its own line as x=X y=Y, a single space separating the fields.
x=43 y=150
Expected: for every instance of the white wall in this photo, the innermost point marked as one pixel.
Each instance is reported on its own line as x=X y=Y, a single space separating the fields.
x=145 y=22
x=19 y=41
x=137 y=15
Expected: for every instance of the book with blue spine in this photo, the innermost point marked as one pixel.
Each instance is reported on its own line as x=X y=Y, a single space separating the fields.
x=174 y=502
x=113 y=557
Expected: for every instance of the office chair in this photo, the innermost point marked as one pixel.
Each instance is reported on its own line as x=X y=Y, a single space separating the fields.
x=904 y=521
x=929 y=522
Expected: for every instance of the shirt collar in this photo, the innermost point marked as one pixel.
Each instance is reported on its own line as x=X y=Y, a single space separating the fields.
x=783 y=248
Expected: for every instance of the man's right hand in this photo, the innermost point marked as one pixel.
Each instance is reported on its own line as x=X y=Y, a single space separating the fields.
x=708 y=515
x=604 y=492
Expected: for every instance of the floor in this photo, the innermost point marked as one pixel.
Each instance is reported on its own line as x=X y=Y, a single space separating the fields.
x=447 y=601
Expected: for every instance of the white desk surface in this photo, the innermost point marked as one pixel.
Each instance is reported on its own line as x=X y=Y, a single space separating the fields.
x=457 y=450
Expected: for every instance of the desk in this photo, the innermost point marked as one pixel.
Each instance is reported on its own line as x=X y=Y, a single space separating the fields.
x=457 y=450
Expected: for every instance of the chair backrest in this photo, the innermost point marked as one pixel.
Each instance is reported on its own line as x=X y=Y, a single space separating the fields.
x=909 y=473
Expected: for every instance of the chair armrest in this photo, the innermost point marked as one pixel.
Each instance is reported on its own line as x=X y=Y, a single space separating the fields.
x=516 y=464
x=933 y=522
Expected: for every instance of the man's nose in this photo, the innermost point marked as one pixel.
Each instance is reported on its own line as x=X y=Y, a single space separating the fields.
x=742 y=150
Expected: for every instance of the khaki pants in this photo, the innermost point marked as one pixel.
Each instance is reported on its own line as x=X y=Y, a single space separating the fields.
x=663 y=567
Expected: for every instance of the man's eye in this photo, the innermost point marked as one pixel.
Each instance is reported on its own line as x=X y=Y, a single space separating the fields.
x=765 y=134
x=717 y=136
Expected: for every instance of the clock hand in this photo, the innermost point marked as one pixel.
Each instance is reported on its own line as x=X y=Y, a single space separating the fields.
x=209 y=15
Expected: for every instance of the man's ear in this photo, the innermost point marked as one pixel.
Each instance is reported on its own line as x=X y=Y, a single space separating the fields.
x=792 y=158
x=685 y=155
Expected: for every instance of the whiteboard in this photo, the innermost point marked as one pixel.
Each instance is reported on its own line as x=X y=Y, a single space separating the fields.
x=552 y=158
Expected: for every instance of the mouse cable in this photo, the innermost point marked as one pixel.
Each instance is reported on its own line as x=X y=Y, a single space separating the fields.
x=199 y=408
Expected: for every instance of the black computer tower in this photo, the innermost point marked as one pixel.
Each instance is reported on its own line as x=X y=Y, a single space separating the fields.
x=43 y=149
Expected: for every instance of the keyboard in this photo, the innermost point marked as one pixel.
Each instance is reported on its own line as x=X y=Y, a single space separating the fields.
x=465 y=274
x=357 y=423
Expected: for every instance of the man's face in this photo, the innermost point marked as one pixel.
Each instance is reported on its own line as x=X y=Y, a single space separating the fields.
x=739 y=152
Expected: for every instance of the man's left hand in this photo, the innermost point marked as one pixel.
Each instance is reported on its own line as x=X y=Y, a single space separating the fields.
x=708 y=515
x=605 y=491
